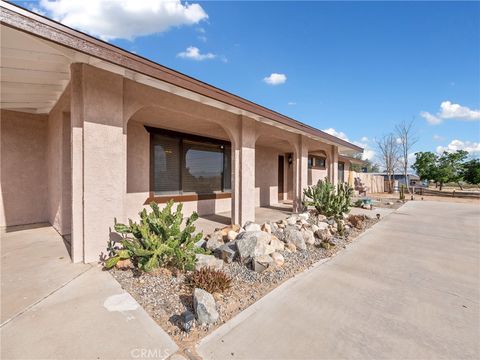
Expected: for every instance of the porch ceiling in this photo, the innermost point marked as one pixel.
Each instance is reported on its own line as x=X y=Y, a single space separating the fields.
x=33 y=74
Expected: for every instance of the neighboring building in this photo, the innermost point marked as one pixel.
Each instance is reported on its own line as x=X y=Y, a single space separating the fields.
x=90 y=132
x=413 y=179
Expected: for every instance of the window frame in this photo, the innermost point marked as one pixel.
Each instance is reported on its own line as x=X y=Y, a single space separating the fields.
x=184 y=196
x=313 y=158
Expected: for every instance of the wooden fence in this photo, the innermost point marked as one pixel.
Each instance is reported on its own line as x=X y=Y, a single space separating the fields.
x=374 y=183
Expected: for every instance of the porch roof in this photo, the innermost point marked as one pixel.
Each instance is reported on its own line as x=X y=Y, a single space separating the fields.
x=55 y=46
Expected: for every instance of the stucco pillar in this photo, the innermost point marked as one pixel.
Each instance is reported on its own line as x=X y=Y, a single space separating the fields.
x=76 y=118
x=243 y=156
x=300 y=173
x=334 y=165
x=98 y=107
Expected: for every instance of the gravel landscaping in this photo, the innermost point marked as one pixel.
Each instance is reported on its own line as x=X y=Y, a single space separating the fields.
x=164 y=294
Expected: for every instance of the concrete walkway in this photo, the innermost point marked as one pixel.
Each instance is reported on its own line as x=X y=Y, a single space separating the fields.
x=53 y=309
x=407 y=289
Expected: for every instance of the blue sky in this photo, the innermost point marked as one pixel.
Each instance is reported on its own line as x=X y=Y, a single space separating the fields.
x=357 y=68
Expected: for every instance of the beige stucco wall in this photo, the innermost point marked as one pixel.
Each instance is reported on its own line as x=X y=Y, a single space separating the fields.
x=266 y=176
x=58 y=166
x=23 y=170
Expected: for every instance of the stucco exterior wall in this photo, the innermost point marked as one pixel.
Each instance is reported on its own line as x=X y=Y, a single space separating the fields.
x=266 y=176
x=58 y=166
x=23 y=170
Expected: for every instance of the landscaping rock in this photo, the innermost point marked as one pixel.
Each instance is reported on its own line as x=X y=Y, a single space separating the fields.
x=253 y=243
x=292 y=220
x=227 y=229
x=227 y=252
x=251 y=226
x=279 y=234
x=323 y=235
x=308 y=237
x=232 y=235
x=314 y=228
x=321 y=217
x=281 y=225
x=267 y=228
x=322 y=225
x=124 y=264
x=304 y=216
x=205 y=308
x=277 y=244
x=208 y=261
x=261 y=263
x=215 y=240
x=202 y=243
x=293 y=235
x=290 y=247
x=278 y=259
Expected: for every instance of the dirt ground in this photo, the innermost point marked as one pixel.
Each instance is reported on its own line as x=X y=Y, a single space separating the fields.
x=394 y=197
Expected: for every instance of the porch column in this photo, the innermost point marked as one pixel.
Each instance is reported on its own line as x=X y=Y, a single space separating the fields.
x=97 y=109
x=334 y=165
x=243 y=168
x=300 y=173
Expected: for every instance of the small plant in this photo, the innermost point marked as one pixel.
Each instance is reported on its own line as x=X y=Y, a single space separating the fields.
x=157 y=240
x=209 y=279
x=327 y=200
x=402 y=192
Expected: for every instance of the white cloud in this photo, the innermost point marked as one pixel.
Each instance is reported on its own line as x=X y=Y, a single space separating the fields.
x=194 y=53
x=470 y=146
x=338 y=134
x=125 y=19
x=368 y=152
x=431 y=119
x=437 y=137
x=202 y=38
x=449 y=110
x=291 y=103
x=275 y=79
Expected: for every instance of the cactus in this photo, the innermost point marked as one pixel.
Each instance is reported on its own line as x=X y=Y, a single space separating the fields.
x=327 y=201
x=158 y=240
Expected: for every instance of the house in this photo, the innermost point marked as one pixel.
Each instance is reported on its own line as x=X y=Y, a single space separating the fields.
x=413 y=180
x=90 y=132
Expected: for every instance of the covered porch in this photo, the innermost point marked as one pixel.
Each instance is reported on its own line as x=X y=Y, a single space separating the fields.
x=101 y=133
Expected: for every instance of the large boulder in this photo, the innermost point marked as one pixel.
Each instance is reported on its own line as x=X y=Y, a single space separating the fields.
x=308 y=236
x=322 y=225
x=277 y=244
x=205 y=308
x=208 y=261
x=227 y=252
x=251 y=226
x=292 y=220
x=215 y=240
x=294 y=236
x=304 y=216
x=253 y=243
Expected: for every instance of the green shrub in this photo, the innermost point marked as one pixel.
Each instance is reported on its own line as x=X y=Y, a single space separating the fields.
x=210 y=280
x=328 y=201
x=158 y=240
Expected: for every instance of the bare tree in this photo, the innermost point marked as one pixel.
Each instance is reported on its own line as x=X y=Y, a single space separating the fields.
x=389 y=155
x=407 y=138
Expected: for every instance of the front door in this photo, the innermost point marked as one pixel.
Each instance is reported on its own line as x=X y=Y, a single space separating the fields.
x=341 y=172
x=281 y=162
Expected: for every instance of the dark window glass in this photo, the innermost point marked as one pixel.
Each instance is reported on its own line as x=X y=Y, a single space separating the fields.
x=166 y=164
x=181 y=164
x=316 y=162
x=203 y=169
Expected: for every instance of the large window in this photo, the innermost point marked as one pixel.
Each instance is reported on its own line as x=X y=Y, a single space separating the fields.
x=186 y=164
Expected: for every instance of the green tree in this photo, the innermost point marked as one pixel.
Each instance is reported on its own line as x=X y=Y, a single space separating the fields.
x=471 y=171
x=450 y=167
x=426 y=165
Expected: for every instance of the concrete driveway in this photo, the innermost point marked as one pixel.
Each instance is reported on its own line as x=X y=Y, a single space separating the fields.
x=407 y=289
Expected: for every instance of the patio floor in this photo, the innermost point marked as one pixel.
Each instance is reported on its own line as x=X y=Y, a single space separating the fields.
x=209 y=223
